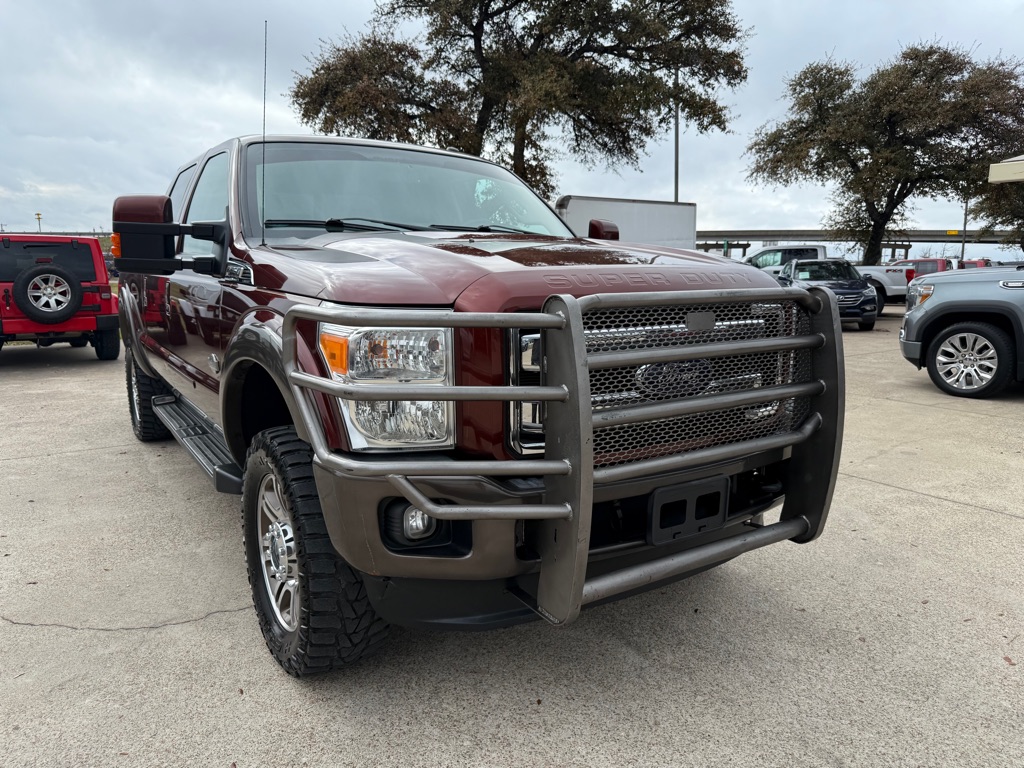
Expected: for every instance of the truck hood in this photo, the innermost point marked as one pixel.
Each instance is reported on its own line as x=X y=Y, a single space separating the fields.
x=983 y=275
x=499 y=272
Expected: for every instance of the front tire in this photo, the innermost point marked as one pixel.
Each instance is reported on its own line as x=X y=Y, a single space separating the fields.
x=866 y=325
x=141 y=391
x=312 y=606
x=972 y=360
x=879 y=300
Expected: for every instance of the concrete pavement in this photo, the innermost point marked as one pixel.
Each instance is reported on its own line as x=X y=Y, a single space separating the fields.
x=897 y=639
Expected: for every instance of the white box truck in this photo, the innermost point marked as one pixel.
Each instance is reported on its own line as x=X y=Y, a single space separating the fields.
x=639 y=221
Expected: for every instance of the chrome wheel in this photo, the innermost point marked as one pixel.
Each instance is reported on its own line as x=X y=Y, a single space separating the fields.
x=966 y=361
x=278 y=556
x=49 y=293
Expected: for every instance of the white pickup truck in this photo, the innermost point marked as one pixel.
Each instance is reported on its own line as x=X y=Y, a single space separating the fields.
x=890 y=282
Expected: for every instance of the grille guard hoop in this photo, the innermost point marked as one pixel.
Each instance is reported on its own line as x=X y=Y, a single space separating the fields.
x=568 y=465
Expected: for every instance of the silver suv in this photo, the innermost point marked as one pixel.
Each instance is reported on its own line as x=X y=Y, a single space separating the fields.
x=967 y=328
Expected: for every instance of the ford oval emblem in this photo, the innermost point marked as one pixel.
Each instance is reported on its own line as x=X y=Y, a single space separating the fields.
x=690 y=377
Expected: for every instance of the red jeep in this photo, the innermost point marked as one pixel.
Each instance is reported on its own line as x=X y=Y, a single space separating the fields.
x=56 y=288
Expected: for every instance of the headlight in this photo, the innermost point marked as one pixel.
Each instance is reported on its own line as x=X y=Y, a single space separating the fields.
x=869 y=293
x=918 y=294
x=375 y=356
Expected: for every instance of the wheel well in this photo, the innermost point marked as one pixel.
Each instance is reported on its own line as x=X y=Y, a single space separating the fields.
x=940 y=324
x=259 y=405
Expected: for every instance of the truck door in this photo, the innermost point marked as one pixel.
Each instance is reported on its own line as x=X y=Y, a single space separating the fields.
x=191 y=339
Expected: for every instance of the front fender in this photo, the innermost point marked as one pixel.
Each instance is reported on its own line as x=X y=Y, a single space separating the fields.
x=132 y=327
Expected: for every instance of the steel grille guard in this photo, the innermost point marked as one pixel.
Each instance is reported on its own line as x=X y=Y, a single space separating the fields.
x=568 y=467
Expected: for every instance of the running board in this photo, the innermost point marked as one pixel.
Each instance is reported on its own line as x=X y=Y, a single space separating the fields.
x=200 y=440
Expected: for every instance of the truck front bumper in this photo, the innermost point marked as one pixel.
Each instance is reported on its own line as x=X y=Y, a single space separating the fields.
x=552 y=513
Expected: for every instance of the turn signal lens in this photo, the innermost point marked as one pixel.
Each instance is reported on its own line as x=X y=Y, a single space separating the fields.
x=115 y=245
x=335 y=349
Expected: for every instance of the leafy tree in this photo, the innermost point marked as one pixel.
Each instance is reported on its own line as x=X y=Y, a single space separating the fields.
x=1002 y=207
x=507 y=79
x=923 y=125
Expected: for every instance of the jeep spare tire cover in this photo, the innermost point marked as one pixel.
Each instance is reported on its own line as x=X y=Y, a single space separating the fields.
x=47 y=294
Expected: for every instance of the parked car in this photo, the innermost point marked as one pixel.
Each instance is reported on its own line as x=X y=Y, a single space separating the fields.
x=931 y=266
x=858 y=299
x=889 y=281
x=967 y=328
x=56 y=289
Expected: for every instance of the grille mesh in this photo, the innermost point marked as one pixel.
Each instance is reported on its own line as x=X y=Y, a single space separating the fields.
x=623 y=329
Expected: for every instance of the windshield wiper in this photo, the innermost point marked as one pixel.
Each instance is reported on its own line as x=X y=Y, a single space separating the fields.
x=342 y=225
x=482 y=228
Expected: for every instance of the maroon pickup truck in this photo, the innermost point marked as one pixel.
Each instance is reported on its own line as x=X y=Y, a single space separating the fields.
x=443 y=408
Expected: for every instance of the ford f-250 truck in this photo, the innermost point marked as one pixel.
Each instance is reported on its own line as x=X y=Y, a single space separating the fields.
x=889 y=281
x=443 y=408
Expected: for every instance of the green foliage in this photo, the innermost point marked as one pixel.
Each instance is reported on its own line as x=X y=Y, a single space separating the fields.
x=1002 y=207
x=508 y=79
x=923 y=125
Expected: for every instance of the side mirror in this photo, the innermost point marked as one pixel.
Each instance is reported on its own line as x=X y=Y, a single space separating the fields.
x=784 y=279
x=145 y=235
x=603 y=230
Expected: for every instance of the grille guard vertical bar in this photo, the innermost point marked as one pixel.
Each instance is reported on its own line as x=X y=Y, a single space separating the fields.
x=564 y=545
x=809 y=488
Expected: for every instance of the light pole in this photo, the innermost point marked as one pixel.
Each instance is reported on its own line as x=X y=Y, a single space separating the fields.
x=676 y=134
x=39 y=221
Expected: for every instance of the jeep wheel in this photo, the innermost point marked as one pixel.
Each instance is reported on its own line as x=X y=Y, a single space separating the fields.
x=108 y=344
x=971 y=360
x=47 y=294
x=310 y=624
x=141 y=390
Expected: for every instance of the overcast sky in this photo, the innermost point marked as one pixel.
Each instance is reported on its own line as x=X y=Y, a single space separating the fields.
x=100 y=98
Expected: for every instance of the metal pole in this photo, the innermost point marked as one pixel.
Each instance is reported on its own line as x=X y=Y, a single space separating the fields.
x=963 y=236
x=676 y=197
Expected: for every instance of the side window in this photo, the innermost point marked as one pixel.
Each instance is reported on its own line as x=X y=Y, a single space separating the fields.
x=209 y=201
x=768 y=259
x=177 y=193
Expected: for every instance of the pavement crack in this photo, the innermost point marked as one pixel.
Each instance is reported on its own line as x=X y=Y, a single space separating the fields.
x=958 y=502
x=139 y=628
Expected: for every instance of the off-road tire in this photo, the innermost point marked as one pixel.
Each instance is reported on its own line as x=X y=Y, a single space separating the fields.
x=108 y=344
x=49 y=273
x=988 y=345
x=141 y=391
x=334 y=623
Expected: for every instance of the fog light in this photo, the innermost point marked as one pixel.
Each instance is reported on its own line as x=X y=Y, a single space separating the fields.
x=417 y=524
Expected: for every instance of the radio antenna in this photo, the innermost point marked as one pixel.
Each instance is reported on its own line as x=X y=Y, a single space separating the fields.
x=263 y=181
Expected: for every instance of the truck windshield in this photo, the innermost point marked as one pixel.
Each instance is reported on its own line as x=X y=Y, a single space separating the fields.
x=299 y=187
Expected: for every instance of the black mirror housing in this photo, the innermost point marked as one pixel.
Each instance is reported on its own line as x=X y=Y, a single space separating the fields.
x=146 y=237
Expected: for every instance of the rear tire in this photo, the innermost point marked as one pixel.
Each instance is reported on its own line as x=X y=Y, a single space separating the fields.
x=108 y=344
x=972 y=360
x=79 y=343
x=141 y=391
x=312 y=606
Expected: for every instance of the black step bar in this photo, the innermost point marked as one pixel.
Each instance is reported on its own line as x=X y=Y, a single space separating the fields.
x=201 y=440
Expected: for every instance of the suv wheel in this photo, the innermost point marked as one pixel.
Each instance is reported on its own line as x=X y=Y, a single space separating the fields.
x=47 y=294
x=310 y=624
x=141 y=390
x=108 y=344
x=971 y=360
